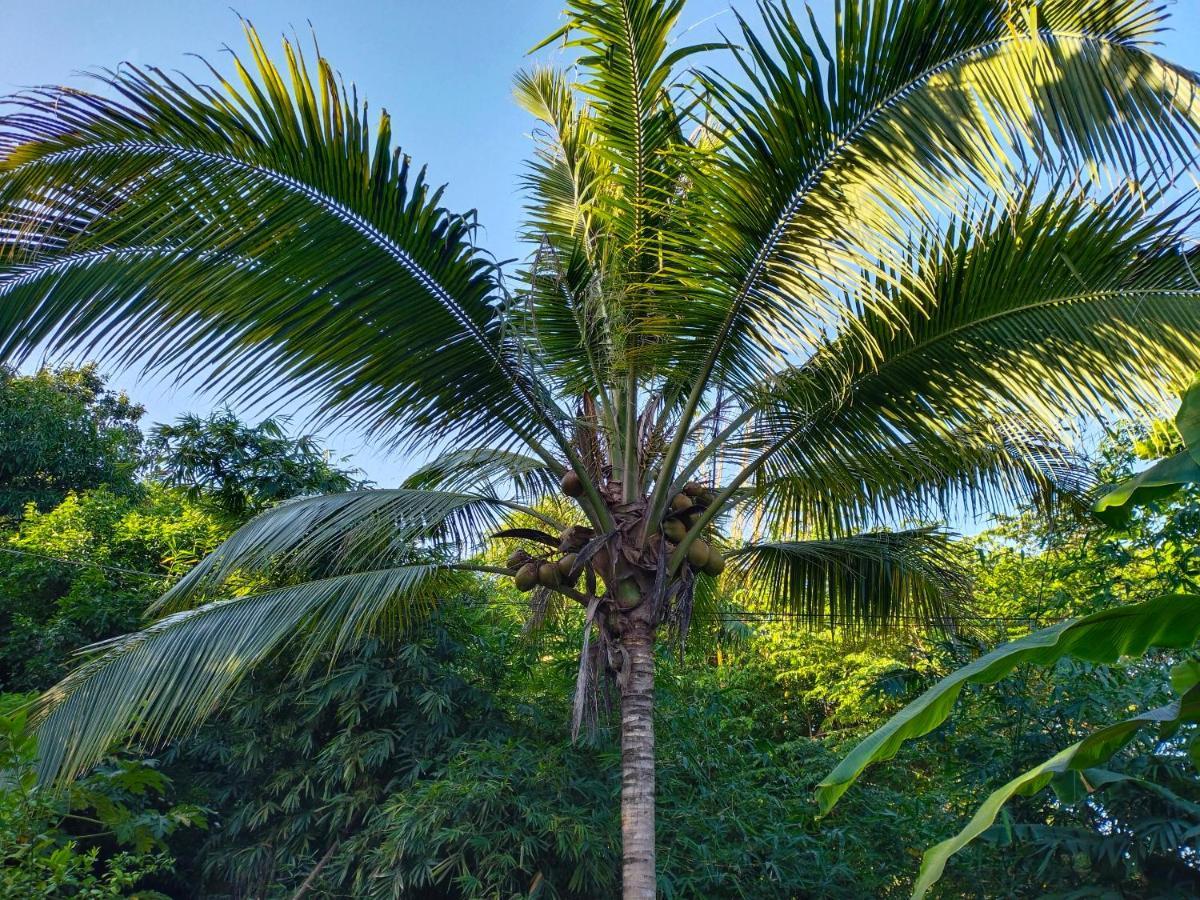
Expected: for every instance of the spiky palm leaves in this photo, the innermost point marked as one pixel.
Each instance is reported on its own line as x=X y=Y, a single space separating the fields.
x=856 y=280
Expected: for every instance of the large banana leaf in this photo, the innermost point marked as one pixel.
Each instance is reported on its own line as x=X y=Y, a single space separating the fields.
x=1116 y=504
x=1091 y=751
x=1171 y=621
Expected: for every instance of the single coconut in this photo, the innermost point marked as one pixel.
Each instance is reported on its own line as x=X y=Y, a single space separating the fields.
x=527 y=577
x=548 y=574
x=693 y=489
x=716 y=563
x=698 y=553
x=518 y=558
x=681 y=503
x=573 y=538
x=572 y=485
x=674 y=530
x=629 y=594
x=566 y=564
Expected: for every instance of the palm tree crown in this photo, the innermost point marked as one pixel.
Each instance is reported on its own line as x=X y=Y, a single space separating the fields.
x=770 y=306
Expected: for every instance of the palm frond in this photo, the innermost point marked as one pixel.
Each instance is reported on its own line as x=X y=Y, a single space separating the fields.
x=866 y=580
x=835 y=154
x=1045 y=310
x=627 y=55
x=965 y=472
x=158 y=683
x=483 y=470
x=337 y=533
x=260 y=239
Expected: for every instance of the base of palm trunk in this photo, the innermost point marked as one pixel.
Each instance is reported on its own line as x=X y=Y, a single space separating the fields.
x=637 y=765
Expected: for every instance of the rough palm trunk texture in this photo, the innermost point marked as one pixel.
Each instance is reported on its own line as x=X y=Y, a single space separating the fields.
x=637 y=765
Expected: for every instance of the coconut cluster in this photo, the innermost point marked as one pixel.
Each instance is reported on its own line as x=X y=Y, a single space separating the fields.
x=552 y=569
x=558 y=570
x=686 y=507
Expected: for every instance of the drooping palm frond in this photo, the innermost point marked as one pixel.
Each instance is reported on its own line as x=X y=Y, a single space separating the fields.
x=866 y=580
x=837 y=152
x=158 y=683
x=967 y=472
x=335 y=533
x=257 y=237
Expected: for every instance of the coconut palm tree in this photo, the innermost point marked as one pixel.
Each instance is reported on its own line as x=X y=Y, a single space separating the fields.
x=784 y=294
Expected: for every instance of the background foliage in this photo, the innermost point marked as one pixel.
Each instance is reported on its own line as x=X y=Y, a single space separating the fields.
x=442 y=767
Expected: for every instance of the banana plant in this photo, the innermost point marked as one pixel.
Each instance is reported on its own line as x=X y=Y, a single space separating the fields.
x=1171 y=622
x=1115 y=506
x=782 y=292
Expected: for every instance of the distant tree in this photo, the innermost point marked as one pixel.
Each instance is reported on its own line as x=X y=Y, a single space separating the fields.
x=87 y=569
x=62 y=430
x=242 y=468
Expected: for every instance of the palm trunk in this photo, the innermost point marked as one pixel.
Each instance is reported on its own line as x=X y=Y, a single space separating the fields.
x=637 y=765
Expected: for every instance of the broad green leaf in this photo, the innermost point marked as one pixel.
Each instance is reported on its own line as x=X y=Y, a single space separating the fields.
x=1187 y=420
x=1092 y=750
x=1171 y=621
x=1185 y=675
x=1161 y=480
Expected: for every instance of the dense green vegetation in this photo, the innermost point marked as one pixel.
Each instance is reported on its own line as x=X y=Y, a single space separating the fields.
x=441 y=766
x=787 y=302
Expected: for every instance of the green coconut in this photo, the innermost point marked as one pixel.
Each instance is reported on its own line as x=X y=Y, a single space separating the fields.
x=527 y=577
x=681 y=503
x=566 y=564
x=693 y=489
x=674 y=530
x=698 y=553
x=629 y=594
x=715 y=564
x=572 y=485
x=548 y=574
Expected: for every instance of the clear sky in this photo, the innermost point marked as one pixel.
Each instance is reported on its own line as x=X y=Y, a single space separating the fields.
x=442 y=68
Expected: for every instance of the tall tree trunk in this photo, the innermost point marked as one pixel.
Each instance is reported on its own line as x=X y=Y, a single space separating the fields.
x=637 y=764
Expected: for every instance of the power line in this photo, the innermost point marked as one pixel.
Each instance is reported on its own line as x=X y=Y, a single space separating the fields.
x=86 y=563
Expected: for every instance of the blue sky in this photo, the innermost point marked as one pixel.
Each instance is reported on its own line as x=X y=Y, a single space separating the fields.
x=442 y=69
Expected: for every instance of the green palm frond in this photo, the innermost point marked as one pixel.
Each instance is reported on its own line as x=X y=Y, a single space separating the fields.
x=564 y=180
x=261 y=237
x=158 y=683
x=965 y=472
x=835 y=154
x=1044 y=311
x=871 y=580
x=627 y=56
x=340 y=532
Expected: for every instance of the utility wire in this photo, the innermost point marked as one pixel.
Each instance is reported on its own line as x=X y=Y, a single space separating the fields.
x=86 y=563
